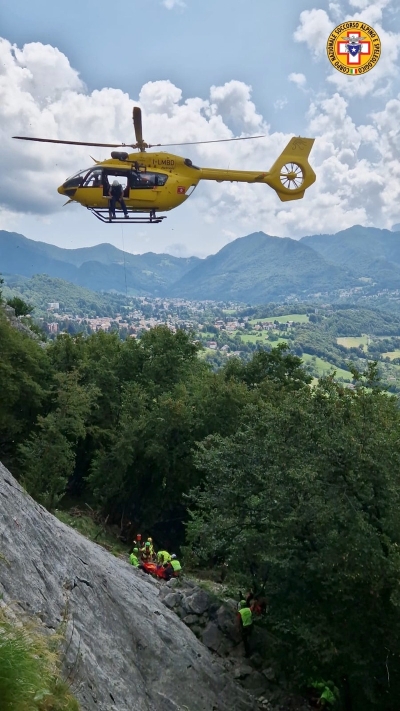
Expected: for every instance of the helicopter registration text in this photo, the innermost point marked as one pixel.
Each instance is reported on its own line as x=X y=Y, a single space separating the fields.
x=167 y=162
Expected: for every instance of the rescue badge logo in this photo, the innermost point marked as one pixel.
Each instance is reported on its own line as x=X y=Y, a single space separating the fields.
x=353 y=47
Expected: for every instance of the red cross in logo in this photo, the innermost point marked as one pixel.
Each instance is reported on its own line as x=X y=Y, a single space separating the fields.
x=354 y=59
x=181 y=190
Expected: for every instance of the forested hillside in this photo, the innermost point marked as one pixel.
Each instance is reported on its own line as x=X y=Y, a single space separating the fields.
x=295 y=487
x=365 y=251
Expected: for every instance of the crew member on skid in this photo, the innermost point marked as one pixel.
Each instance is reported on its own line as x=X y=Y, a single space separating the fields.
x=116 y=194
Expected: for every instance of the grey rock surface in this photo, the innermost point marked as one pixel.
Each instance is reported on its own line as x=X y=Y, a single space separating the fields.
x=124 y=649
x=199 y=602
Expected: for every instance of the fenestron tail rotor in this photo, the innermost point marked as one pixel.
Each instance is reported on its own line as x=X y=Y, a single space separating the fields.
x=140 y=144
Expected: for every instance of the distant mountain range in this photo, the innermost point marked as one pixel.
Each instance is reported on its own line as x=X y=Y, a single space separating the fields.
x=251 y=269
x=100 y=268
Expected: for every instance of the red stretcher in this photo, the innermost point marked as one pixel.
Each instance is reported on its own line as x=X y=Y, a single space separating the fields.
x=153 y=569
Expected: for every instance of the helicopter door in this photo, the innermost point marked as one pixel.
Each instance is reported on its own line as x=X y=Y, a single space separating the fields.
x=90 y=191
x=145 y=186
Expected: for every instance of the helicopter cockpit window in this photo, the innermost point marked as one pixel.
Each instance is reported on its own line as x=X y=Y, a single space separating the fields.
x=94 y=179
x=77 y=180
x=145 y=179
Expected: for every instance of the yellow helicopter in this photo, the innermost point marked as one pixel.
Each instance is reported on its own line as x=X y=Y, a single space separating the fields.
x=158 y=182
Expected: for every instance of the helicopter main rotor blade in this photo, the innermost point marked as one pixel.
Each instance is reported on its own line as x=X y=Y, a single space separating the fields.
x=196 y=143
x=137 y=123
x=139 y=144
x=75 y=143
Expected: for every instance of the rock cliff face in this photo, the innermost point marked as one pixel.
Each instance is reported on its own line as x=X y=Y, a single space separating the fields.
x=124 y=649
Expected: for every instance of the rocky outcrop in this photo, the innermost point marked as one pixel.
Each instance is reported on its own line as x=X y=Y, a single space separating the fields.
x=9 y=313
x=214 y=622
x=124 y=649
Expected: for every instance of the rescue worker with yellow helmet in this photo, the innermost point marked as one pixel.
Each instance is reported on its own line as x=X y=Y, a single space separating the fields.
x=145 y=552
x=151 y=547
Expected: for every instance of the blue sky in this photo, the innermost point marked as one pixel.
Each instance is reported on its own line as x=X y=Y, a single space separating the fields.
x=147 y=51
x=203 y=43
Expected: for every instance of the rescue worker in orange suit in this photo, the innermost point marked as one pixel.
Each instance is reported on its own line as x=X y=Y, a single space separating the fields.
x=245 y=619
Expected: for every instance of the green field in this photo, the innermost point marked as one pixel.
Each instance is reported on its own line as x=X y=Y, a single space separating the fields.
x=322 y=367
x=391 y=354
x=252 y=338
x=353 y=342
x=297 y=318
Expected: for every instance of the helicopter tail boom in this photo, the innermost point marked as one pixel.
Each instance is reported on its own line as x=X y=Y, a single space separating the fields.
x=290 y=175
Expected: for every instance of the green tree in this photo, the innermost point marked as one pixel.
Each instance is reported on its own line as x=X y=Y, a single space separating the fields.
x=304 y=500
x=48 y=455
x=20 y=306
x=25 y=376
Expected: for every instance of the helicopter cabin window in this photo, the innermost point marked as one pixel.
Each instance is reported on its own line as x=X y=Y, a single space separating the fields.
x=140 y=180
x=94 y=179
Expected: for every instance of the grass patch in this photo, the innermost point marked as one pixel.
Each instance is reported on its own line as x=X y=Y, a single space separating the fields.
x=251 y=338
x=323 y=367
x=353 y=342
x=392 y=354
x=30 y=677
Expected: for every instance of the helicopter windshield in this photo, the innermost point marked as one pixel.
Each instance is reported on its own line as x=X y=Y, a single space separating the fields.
x=80 y=173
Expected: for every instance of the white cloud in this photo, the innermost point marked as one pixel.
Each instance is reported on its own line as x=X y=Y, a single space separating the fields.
x=170 y=4
x=280 y=104
x=178 y=249
x=350 y=188
x=298 y=79
x=314 y=29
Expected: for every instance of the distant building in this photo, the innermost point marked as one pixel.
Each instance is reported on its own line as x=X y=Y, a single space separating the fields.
x=212 y=344
x=52 y=327
x=53 y=306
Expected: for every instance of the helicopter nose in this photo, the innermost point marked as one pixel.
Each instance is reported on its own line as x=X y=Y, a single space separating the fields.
x=61 y=190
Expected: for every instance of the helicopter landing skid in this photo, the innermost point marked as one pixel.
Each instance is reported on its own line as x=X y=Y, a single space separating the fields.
x=104 y=216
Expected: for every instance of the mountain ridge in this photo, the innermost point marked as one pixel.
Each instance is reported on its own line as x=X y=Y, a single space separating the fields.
x=253 y=268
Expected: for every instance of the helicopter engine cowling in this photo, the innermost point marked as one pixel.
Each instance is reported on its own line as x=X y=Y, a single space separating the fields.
x=117 y=155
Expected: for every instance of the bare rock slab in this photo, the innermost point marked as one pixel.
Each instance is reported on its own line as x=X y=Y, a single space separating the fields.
x=124 y=649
